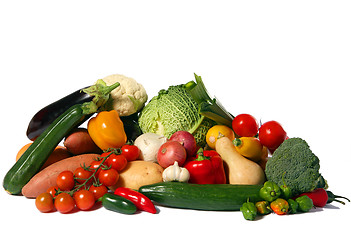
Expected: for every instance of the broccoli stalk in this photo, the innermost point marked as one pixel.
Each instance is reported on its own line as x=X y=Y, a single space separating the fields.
x=301 y=165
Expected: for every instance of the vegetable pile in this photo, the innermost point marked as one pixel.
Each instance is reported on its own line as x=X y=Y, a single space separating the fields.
x=181 y=149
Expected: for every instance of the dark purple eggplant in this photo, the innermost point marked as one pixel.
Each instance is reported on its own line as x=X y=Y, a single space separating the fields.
x=42 y=119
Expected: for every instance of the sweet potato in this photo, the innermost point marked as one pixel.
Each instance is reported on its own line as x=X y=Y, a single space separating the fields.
x=80 y=142
x=47 y=177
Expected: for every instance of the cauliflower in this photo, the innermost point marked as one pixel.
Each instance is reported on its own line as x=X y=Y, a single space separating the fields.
x=128 y=98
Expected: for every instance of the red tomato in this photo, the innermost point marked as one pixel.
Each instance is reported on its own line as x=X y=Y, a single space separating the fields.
x=81 y=174
x=98 y=191
x=52 y=190
x=108 y=177
x=94 y=165
x=44 y=202
x=65 y=180
x=131 y=152
x=245 y=125
x=271 y=135
x=115 y=161
x=84 y=199
x=64 y=203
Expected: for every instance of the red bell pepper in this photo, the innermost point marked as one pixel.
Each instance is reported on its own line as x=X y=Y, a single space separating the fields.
x=206 y=168
x=140 y=200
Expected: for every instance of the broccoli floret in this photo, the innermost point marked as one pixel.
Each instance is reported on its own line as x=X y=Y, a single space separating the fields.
x=301 y=165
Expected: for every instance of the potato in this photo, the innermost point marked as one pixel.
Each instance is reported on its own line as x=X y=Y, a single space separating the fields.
x=139 y=173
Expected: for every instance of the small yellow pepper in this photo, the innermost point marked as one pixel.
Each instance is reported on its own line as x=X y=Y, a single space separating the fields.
x=249 y=147
x=107 y=131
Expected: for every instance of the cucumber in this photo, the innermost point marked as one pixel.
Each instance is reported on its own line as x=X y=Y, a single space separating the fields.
x=118 y=204
x=38 y=152
x=216 y=197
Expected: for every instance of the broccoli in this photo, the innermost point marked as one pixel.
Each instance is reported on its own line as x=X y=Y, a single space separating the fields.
x=300 y=164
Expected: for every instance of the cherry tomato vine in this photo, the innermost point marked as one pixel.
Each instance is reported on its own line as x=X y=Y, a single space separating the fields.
x=83 y=187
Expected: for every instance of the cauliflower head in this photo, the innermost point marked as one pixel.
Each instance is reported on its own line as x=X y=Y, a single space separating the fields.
x=130 y=97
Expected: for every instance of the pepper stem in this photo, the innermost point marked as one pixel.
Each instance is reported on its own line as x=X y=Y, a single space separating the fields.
x=200 y=155
x=283 y=179
x=332 y=197
x=237 y=142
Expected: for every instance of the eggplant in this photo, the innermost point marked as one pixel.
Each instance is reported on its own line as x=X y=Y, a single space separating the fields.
x=42 y=119
x=131 y=126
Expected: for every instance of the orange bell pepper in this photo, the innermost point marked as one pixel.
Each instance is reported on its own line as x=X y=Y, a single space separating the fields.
x=107 y=131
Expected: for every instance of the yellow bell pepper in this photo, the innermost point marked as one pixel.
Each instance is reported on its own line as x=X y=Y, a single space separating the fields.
x=107 y=131
x=249 y=147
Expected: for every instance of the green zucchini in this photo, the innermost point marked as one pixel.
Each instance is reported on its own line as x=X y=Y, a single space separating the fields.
x=216 y=197
x=38 y=152
x=118 y=204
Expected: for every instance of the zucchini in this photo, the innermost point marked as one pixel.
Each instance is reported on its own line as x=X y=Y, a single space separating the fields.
x=118 y=204
x=37 y=153
x=35 y=156
x=216 y=197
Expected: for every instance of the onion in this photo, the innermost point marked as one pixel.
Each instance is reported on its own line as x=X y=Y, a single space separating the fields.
x=170 y=152
x=187 y=140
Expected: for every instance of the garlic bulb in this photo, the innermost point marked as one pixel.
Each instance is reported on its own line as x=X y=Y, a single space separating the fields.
x=175 y=173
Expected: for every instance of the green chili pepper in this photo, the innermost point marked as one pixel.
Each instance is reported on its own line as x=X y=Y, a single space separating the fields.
x=305 y=203
x=263 y=207
x=285 y=190
x=249 y=210
x=270 y=191
x=293 y=206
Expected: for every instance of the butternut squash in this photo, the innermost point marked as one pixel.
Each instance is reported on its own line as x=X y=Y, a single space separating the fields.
x=239 y=169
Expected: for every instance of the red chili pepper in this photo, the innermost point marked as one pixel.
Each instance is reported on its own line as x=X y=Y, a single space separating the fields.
x=319 y=197
x=206 y=168
x=140 y=200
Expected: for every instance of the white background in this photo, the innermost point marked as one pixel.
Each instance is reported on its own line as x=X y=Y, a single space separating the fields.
x=277 y=60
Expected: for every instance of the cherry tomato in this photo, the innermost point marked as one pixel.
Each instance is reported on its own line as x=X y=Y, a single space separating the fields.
x=131 y=152
x=52 y=190
x=81 y=174
x=64 y=203
x=271 y=135
x=245 y=125
x=108 y=177
x=94 y=165
x=65 y=180
x=98 y=191
x=84 y=199
x=44 y=202
x=115 y=161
